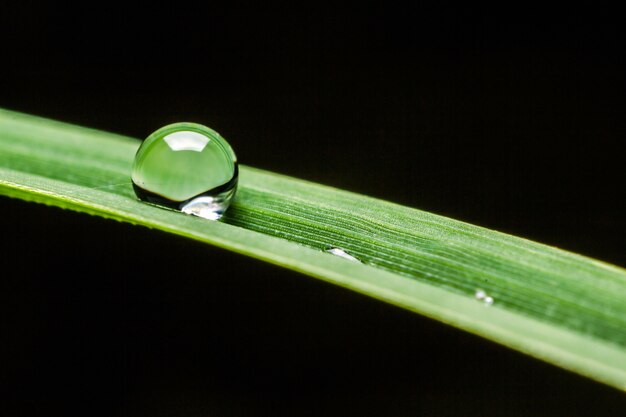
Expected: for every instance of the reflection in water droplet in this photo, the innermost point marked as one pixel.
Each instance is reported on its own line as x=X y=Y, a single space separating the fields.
x=342 y=253
x=481 y=295
x=209 y=207
x=187 y=167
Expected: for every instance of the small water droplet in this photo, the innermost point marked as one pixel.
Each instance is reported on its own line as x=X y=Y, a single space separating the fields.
x=342 y=253
x=188 y=167
x=481 y=295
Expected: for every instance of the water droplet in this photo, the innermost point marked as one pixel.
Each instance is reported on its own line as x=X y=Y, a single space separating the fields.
x=481 y=295
x=342 y=253
x=188 y=167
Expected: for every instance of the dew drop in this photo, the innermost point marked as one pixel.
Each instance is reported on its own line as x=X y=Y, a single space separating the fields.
x=342 y=253
x=187 y=167
x=481 y=295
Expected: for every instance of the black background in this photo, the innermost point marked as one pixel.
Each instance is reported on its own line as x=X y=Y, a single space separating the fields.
x=510 y=119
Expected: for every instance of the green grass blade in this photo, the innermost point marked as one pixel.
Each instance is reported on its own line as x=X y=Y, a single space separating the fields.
x=563 y=308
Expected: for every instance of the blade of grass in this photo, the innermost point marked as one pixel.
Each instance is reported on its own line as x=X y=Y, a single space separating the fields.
x=557 y=306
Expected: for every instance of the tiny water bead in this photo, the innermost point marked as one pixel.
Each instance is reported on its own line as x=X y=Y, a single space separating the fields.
x=188 y=167
x=341 y=253
x=481 y=295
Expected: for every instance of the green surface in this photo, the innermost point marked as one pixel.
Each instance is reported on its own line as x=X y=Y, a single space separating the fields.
x=563 y=308
x=182 y=160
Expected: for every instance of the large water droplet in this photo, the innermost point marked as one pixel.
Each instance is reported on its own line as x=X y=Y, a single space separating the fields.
x=188 y=167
